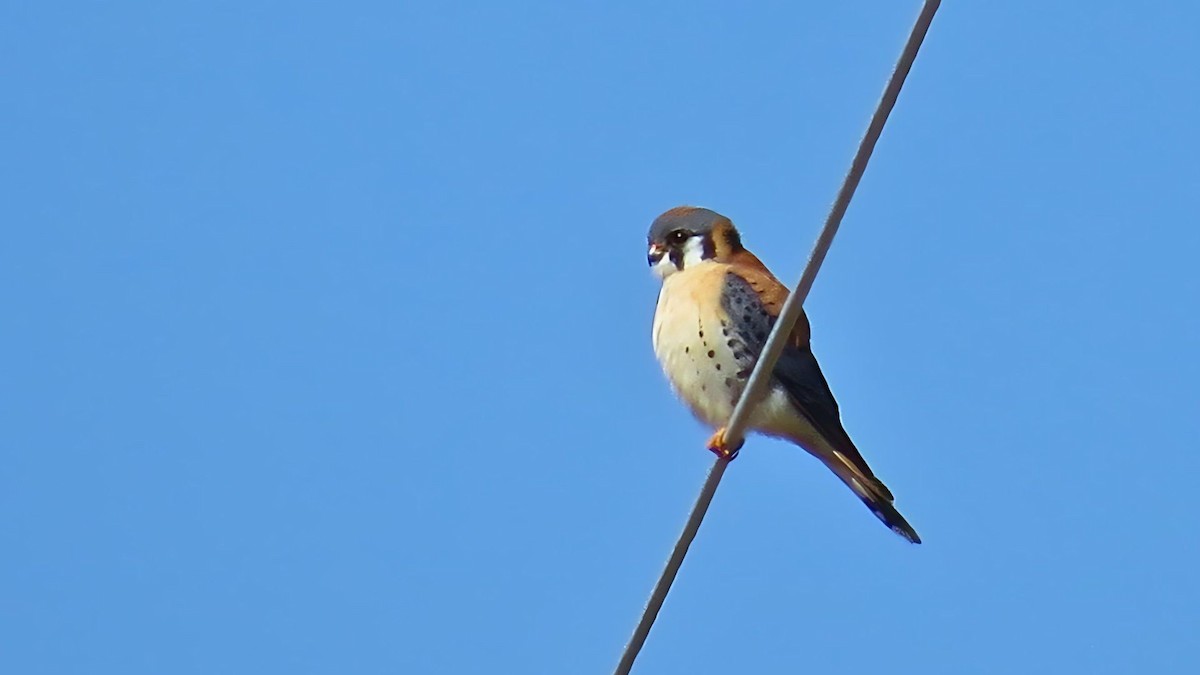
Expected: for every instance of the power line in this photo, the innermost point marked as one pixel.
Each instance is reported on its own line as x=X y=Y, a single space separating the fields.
x=757 y=385
x=761 y=375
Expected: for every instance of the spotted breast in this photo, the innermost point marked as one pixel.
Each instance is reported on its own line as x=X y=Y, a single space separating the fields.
x=702 y=331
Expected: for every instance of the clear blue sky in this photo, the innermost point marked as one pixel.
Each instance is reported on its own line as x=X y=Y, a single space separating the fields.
x=326 y=337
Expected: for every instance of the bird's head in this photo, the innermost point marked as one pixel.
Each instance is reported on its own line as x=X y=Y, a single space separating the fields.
x=686 y=236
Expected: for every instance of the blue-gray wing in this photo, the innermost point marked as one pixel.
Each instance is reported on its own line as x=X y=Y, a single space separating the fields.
x=797 y=371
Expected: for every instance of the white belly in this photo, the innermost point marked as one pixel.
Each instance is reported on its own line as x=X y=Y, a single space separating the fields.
x=693 y=347
x=694 y=350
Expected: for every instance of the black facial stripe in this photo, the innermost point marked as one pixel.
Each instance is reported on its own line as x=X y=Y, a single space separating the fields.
x=710 y=247
x=733 y=239
x=677 y=258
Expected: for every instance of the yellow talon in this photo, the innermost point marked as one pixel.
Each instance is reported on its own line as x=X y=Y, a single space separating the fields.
x=719 y=447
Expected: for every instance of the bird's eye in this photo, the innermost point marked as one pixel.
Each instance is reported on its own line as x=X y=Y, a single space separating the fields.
x=677 y=237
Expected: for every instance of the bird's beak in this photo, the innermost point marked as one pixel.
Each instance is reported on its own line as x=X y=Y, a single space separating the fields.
x=656 y=254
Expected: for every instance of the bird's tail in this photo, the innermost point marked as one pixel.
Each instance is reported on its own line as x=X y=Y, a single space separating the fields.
x=874 y=494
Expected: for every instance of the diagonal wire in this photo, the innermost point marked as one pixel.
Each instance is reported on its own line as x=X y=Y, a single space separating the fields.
x=755 y=388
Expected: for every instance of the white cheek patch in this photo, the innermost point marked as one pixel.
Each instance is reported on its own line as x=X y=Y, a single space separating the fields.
x=693 y=252
x=664 y=267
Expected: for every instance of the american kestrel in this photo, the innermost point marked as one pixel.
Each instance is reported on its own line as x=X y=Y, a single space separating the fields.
x=717 y=304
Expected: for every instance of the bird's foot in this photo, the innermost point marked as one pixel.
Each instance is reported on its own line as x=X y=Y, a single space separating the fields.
x=720 y=448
